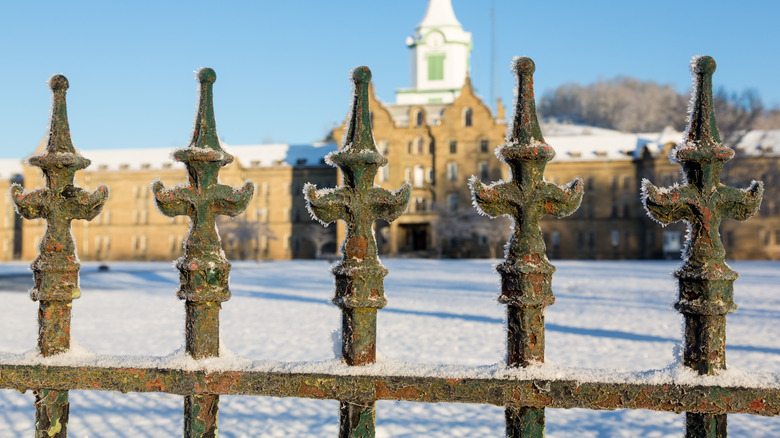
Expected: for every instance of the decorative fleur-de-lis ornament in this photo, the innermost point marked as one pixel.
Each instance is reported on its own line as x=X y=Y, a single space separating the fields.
x=526 y=274
x=203 y=268
x=359 y=275
x=705 y=280
x=56 y=269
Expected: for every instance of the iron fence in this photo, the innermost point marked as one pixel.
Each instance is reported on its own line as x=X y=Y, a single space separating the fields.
x=705 y=281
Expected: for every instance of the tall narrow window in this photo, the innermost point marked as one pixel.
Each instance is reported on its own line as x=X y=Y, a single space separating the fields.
x=419 y=118
x=435 y=67
x=452 y=171
x=468 y=115
x=484 y=171
x=483 y=146
x=453 y=146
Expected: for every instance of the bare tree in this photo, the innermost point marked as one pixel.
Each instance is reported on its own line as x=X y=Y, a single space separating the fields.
x=465 y=233
x=319 y=236
x=240 y=236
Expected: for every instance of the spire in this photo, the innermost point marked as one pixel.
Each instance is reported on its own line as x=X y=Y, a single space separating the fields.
x=525 y=129
x=702 y=126
x=359 y=136
x=439 y=13
x=59 y=131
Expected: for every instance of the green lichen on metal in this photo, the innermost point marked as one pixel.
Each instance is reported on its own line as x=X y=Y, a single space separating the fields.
x=524 y=422
x=56 y=269
x=357 y=420
x=705 y=281
x=203 y=410
x=359 y=274
x=51 y=413
x=516 y=392
x=203 y=270
x=526 y=273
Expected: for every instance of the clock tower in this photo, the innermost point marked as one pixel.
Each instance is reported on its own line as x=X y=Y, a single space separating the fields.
x=440 y=51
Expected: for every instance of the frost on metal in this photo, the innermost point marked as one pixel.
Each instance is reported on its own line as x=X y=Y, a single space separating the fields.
x=203 y=269
x=526 y=273
x=359 y=274
x=56 y=269
x=358 y=202
x=706 y=282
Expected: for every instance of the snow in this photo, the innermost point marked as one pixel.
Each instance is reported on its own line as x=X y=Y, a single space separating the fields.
x=611 y=321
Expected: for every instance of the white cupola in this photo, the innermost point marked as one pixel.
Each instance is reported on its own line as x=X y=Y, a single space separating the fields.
x=440 y=52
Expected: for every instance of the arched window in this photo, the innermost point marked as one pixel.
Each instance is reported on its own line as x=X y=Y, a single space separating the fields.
x=467 y=117
x=419 y=118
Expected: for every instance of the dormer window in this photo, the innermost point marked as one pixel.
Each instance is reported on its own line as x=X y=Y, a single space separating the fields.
x=419 y=118
x=468 y=116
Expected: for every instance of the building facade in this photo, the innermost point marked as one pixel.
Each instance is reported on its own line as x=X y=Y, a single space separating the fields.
x=437 y=135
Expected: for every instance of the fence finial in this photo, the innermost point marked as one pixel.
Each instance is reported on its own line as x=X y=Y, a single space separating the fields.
x=359 y=275
x=56 y=269
x=204 y=269
x=702 y=126
x=525 y=128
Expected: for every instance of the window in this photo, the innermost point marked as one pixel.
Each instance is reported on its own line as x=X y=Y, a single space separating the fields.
x=420 y=204
x=626 y=183
x=408 y=174
x=556 y=240
x=483 y=146
x=626 y=211
x=580 y=240
x=435 y=67
x=453 y=146
x=419 y=118
x=468 y=115
x=419 y=176
x=452 y=202
x=384 y=173
x=483 y=170
x=420 y=146
x=615 y=181
x=452 y=171
x=429 y=175
x=615 y=238
x=384 y=147
x=589 y=183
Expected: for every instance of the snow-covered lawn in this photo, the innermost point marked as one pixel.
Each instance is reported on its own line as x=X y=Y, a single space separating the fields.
x=607 y=315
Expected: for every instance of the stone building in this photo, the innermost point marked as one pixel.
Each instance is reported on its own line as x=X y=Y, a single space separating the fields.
x=275 y=225
x=436 y=135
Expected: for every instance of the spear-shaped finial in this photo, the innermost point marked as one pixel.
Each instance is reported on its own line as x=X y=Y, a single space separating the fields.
x=702 y=126
x=59 y=133
x=705 y=281
x=525 y=129
x=526 y=273
x=56 y=269
x=359 y=136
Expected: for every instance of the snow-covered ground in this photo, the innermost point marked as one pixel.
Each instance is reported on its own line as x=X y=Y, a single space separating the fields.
x=607 y=315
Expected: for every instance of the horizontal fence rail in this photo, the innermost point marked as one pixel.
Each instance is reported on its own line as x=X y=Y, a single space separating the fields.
x=539 y=393
x=521 y=385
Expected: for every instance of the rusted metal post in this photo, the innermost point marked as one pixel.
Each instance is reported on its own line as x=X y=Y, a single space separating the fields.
x=706 y=283
x=204 y=271
x=526 y=274
x=359 y=274
x=56 y=269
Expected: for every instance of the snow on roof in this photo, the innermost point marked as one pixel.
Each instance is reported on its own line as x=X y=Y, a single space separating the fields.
x=9 y=168
x=282 y=154
x=760 y=142
x=583 y=143
x=259 y=155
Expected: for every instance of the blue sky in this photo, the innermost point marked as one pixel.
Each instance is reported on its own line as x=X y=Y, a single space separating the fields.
x=283 y=66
